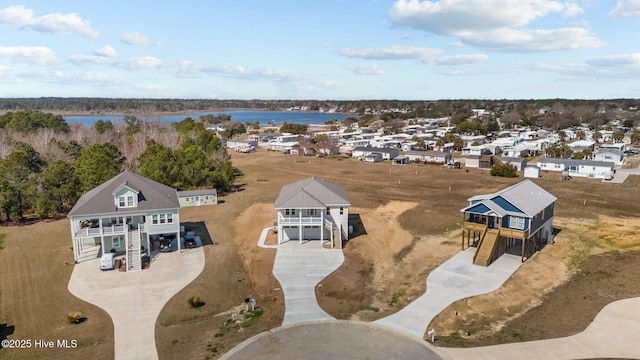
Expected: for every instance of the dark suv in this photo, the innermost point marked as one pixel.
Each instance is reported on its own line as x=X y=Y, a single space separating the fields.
x=165 y=246
x=189 y=241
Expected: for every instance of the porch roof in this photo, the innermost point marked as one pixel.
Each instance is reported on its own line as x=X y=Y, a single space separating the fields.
x=312 y=193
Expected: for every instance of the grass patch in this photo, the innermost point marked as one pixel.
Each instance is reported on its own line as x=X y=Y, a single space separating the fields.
x=395 y=299
x=2 y=237
x=251 y=318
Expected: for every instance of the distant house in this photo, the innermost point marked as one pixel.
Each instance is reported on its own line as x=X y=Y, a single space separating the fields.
x=313 y=209
x=401 y=160
x=238 y=144
x=372 y=157
x=126 y=214
x=581 y=145
x=580 y=168
x=430 y=157
x=609 y=155
x=519 y=163
x=518 y=216
x=387 y=154
x=190 y=198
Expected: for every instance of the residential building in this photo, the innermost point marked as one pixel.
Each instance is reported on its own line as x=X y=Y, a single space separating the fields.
x=520 y=216
x=313 y=209
x=580 y=168
x=128 y=214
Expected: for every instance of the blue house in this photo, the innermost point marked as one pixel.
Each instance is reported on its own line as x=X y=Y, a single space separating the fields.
x=520 y=215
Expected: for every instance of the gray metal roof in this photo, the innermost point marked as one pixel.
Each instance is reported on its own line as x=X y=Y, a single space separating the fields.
x=202 y=192
x=312 y=193
x=525 y=195
x=375 y=149
x=151 y=195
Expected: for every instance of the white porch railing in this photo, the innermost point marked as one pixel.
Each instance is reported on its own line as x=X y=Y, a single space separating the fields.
x=300 y=220
x=107 y=230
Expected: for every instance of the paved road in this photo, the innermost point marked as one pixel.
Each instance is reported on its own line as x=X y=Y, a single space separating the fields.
x=456 y=279
x=299 y=268
x=326 y=340
x=134 y=299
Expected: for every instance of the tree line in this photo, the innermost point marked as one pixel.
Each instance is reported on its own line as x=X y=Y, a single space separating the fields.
x=45 y=167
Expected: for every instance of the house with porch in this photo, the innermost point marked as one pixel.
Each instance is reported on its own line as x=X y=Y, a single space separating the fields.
x=129 y=215
x=518 y=218
x=313 y=209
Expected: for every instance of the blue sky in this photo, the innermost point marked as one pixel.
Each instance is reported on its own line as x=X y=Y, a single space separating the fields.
x=321 y=49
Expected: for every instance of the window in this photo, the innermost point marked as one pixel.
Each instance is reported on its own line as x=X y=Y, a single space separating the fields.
x=516 y=222
x=126 y=201
x=121 y=201
x=154 y=219
x=287 y=212
x=169 y=218
x=328 y=211
x=341 y=210
x=293 y=211
x=129 y=201
x=312 y=212
x=116 y=242
x=162 y=218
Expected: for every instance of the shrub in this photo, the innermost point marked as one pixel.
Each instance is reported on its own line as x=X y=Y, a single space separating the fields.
x=195 y=302
x=506 y=170
x=75 y=317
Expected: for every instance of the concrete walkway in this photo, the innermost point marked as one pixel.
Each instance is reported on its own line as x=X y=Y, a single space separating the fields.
x=134 y=299
x=612 y=334
x=621 y=175
x=299 y=268
x=456 y=279
x=263 y=239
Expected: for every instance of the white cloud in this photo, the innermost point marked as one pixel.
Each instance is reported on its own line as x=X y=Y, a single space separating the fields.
x=21 y=17
x=494 y=24
x=366 y=69
x=390 y=53
x=626 y=8
x=33 y=54
x=145 y=62
x=511 y=40
x=81 y=60
x=135 y=38
x=462 y=59
x=621 y=60
x=106 y=51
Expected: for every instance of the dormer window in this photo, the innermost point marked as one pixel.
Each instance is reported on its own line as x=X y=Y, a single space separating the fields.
x=126 y=201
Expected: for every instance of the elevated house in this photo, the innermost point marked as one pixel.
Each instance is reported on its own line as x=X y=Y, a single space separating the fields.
x=313 y=209
x=518 y=216
x=127 y=214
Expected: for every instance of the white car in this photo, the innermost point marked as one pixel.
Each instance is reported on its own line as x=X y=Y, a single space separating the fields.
x=107 y=261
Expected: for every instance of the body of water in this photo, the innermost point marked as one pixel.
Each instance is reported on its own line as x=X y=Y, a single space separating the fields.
x=263 y=117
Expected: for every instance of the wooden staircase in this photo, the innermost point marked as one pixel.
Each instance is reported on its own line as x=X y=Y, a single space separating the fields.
x=133 y=252
x=486 y=247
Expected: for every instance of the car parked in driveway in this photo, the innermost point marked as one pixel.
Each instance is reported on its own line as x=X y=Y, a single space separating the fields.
x=166 y=246
x=108 y=261
x=190 y=241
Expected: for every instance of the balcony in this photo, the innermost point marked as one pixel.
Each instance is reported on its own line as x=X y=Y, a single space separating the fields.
x=116 y=229
x=299 y=220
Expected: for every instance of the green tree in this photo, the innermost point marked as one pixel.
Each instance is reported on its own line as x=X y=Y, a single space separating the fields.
x=133 y=125
x=18 y=175
x=60 y=189
x=98 y=163
x=102 y=126
x=158 y=163
x=618 y=135
x=580 y=134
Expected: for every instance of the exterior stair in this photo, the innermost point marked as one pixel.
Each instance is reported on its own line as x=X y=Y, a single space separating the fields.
x=133 y=252
x=486 y=247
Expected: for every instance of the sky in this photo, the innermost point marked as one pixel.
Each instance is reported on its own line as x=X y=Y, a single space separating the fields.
x=321 y=49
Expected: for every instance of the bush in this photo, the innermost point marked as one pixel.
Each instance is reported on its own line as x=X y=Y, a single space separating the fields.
x=75 y=317
x=506 y=170
x=195 y=302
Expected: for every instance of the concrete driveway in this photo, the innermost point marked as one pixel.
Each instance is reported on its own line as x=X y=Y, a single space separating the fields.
x=299 y=268
x=456 y=279
x=134 y=299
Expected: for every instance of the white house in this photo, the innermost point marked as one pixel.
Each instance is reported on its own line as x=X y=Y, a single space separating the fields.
x=127 y=215
x=387 y=154
x=431 y=157
x=579 y=168
x=609 y=155
x=313 y=209
x=240 y=144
